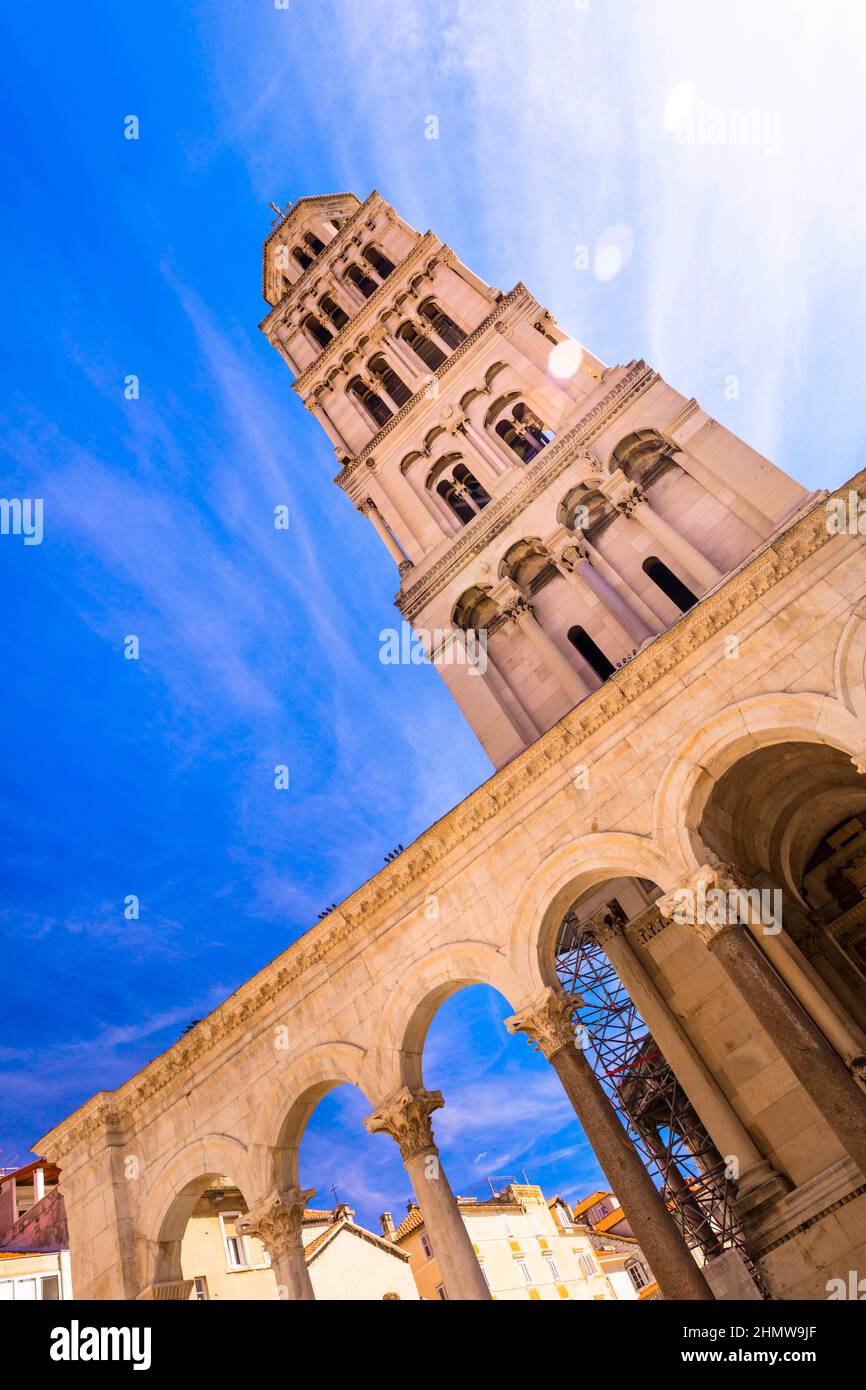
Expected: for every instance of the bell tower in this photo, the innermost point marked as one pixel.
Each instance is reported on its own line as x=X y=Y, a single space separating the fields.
x=548 y=515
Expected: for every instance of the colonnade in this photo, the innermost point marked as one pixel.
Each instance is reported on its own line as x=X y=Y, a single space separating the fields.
x=796 y=1016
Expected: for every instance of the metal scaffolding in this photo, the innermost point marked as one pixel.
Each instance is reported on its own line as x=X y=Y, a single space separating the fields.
x=645 y=1093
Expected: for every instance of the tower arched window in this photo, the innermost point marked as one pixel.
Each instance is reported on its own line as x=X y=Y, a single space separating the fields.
x=396 y=388
x=452 y=493
x=665 y=579
x=371 y=401
x=423 y=347
x=302 y=257
x=331 y=309
x=317 y=330
x=314 y=243
x=591 y=652
x=361 y=281
x=524 y=433
x=480 y=496
x=442 y=324
x=378 y=260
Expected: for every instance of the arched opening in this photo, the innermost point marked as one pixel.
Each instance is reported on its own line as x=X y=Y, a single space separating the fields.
x=302 y=257
x=671 y=586
x=461 y=474
x=315 y=244
x=396 y=388
x=378 y=260
x=523 y=431
x=644 y=457
x=331 y=309
x=201 y=1244
x=591 y=652
x=317 y=331
x=641 y=1085
x=792 y=817
x=359 y=1181
x=454 y=497
x=375 y=407
x=355 y=275
x=442 y=324
x=423 y=347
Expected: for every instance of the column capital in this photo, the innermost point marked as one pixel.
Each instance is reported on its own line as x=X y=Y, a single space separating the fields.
x=547 y=1023
x=622 y=492
x=406 y=1117
x=571 y=555
x=278 y=1220
x=708 y=900
x=606 y=923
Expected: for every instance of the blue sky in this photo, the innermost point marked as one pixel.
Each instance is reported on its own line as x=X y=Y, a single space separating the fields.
x=739 y=278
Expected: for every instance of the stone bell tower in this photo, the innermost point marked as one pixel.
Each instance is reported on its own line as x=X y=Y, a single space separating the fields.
x=548 y=515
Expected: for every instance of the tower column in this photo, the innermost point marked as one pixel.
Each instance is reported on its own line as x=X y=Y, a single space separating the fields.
x=547 y=1023
x=368 y=508
x=629 y=499
x=573 y=561
x=278 y=1223
x=406 y=1117
x=478 y=439
x=517 y=609
x=757 y=1180
x=823 y=1076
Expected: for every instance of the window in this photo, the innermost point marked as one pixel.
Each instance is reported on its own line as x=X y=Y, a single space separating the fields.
x=379 y=261
x=667 y=581
x=361 y=281
x=315 y=245
x=551 y=1267
x=638 y=1275
x=201 y=1292
x=431 y=355
x=301 y=257
x=524 y=432
x=506 y=1226
x=331 y=309
x=396 y=388
x=30 y=1289
x=371 y=401
x=591 y=652
x=524 y=1271
x=426 y=1246
x=242 y=1252
x=588 y=1265
x=443 y=326
x=442 y=1292
x=317 y=331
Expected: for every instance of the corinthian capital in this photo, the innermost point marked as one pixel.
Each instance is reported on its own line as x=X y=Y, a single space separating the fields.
x=622 y=492
x=606 y=923
x=571 y=555
x=406 y=1117
x=278 y=1220
x=547 y=1023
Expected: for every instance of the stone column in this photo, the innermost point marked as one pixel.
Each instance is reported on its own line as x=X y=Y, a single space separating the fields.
x=629 y=499
x=548 y=1025
x=574 y=562
x=368 y=508
x=482 y=446
x=519 y=610
x=718 y=921
x=645 y=623
x=406 y=1117
x=278 y=1223
x=757 y=1182
x=316 y=404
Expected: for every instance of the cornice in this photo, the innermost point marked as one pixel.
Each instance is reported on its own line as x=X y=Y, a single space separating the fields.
x=388 y=289
x=366 y=907
x=298 y=289
x=515 y=296
x=553 y=461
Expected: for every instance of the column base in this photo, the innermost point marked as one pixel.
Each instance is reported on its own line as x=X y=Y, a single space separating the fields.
x=757 y=1188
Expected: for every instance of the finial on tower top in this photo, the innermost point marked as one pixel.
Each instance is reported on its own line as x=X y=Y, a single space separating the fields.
x=280 y=215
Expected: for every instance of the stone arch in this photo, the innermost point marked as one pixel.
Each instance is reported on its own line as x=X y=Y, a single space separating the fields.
x=412 y=1004
x=169 y=1201
x=721 y=740
x=559 y=880
x=284 y=1118
x=849 y=665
